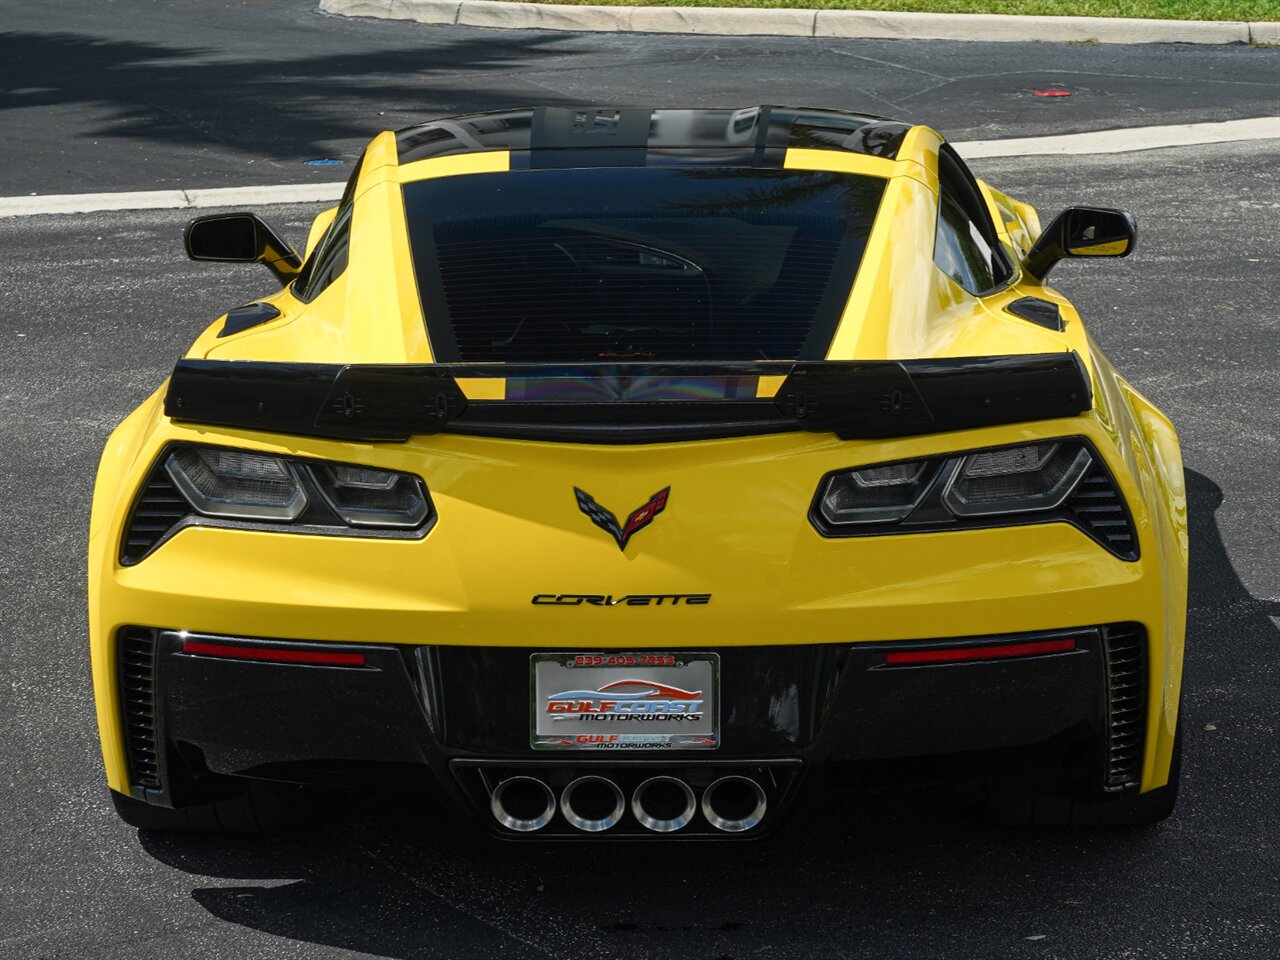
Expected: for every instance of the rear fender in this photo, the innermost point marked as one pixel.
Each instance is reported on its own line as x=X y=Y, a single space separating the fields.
x=112 y=493
x=1148 y=443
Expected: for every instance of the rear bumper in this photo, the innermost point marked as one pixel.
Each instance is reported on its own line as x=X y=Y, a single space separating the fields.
x=443 y=713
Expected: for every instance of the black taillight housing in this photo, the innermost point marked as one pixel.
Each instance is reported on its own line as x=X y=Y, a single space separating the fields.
x=197 y=484
x=1062 y=479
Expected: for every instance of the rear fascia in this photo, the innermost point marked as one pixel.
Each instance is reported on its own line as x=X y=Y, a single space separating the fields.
x=235 y=713
x=736 y=527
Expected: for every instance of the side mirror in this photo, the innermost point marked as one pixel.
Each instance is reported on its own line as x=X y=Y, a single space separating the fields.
x=1082 y=232
x=241 y=238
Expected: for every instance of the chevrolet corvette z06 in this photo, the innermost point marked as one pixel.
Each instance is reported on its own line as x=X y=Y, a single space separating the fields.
x=629 y=473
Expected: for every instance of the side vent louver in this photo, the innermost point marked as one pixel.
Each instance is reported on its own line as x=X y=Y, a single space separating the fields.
x=137 y=653
x=1125 y=648
x=1099 y=510
x=158 y=510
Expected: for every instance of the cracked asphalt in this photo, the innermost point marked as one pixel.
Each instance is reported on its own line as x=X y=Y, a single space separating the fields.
x=131 y=95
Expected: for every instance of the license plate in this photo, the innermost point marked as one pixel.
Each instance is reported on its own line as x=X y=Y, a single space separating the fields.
x=624 y=701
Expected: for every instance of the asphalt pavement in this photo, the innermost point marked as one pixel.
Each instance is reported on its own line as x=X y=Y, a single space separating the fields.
x=134 y=95
x=150 y=94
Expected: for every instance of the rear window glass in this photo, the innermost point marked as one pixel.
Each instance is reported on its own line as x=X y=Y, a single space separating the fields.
x=645 y=263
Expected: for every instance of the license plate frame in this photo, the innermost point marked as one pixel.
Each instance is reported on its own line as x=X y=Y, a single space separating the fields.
x=624 y=701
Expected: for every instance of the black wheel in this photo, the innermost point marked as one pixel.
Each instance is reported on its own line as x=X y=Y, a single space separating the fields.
x=1129 y=810
x=259 y=808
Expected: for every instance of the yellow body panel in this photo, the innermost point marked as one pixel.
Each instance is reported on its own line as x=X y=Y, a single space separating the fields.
x=318 y=227
x=496 y=161
x=736 y=524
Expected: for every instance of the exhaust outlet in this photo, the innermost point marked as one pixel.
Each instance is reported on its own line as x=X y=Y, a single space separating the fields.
x=734 y=804
x=663 y=804
x=593 y=804
x=524 y=804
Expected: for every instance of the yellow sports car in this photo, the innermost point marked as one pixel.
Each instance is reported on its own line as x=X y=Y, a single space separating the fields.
x=629 y=473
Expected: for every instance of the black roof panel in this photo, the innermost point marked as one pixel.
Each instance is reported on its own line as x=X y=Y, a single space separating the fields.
x=546 y=137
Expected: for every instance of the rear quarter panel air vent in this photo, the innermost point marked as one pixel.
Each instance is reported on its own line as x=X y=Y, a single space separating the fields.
x=159 y=508
x=1098 y=509
x=137 y=659
x=1125 y=649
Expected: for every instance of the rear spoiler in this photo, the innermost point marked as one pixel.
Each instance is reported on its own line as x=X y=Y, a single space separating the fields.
x=628 y=402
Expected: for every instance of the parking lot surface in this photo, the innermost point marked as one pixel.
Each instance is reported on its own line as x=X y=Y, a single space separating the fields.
x=97 y=308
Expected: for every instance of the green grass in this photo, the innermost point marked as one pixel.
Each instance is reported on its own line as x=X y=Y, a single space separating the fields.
x=1153 y=9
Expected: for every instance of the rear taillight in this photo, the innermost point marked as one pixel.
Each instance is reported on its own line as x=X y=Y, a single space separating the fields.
x=191 y=485
x=1063 y=480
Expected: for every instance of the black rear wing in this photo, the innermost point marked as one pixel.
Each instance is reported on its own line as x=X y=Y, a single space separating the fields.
x=629 y=402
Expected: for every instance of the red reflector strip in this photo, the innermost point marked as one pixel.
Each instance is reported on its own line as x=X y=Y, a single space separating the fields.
x=998 y=651
x=235 y=651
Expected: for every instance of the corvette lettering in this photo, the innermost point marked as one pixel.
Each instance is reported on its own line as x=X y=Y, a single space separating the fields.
x=626 y=599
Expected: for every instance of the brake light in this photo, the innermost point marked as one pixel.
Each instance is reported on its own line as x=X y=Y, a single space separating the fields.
x=995 y=651
x=240 y=651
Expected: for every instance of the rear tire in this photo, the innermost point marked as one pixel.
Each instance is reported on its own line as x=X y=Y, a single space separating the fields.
x=1128 y=810
x=259 y=808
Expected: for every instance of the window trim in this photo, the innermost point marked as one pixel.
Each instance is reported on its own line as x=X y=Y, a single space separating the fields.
x=957 y=182
x=301 y=286
x=338 y=235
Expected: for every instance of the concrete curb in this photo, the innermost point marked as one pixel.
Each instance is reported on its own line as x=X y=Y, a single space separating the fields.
x=729 y=21
x=1095 y=143
x=40 y=204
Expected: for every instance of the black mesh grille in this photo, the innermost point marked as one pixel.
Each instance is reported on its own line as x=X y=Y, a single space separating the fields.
x=158 y=510
x=1099 y=510
x=1125 y=648
x=137 y=651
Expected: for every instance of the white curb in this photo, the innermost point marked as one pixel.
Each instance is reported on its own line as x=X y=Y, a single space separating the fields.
x=1094 y=142
x=730 y=21
x=1125 y=140
x=996 y=27
x=169 y=199
x=1264 y=33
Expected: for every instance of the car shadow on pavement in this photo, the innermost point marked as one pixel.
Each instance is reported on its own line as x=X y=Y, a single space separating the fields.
x=894 y=874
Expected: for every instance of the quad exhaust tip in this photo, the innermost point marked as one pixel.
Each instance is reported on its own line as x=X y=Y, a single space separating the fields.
x=663 y=804
x=523 y=804
x=593 y=804
x=734 y=804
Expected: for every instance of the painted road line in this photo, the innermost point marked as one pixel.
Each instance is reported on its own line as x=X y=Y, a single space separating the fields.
x=1124 y=140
